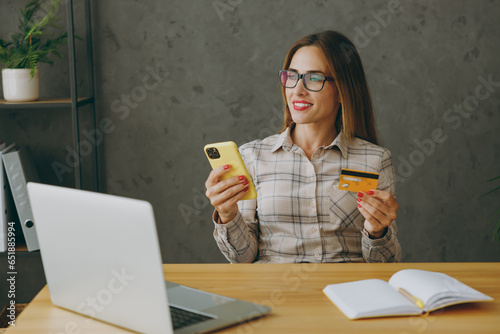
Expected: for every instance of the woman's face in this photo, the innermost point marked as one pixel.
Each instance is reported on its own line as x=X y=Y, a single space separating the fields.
x=307 y=107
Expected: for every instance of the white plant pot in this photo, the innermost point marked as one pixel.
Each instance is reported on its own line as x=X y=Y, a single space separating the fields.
x=18 y=86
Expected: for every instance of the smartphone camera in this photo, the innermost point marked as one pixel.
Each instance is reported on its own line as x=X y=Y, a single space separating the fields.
x=213 y=153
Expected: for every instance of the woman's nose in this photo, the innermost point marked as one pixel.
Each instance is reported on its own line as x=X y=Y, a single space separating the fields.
x=300 y=89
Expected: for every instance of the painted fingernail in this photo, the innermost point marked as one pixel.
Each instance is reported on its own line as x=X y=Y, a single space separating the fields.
x=360 y=194
x=241 y=177
x=246 y=182
x=371 y=192
x=226 y=167
x=359 y=205
x=246 y=189
x=358 y=199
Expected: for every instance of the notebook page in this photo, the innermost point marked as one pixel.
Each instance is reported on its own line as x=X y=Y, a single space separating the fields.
x=430 y=287
x=369 y=298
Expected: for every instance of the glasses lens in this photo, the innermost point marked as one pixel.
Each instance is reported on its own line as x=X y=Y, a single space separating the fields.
x=288 y=78
x=313 y=81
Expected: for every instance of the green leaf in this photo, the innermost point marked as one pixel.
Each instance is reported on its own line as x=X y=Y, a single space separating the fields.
x=493 y=179
x=496 y=232
x=491 y=191
x=32 y=42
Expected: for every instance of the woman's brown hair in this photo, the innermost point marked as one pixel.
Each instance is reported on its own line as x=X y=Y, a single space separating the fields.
x=356 y=117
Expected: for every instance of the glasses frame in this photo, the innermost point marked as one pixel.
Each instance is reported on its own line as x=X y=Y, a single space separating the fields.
x=301 y=76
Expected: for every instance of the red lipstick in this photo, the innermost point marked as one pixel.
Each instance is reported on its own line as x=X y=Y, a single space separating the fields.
x=300 y=105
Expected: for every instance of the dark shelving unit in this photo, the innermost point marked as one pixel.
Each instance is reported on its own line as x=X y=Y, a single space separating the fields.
x=74 y=102
x=30 y=273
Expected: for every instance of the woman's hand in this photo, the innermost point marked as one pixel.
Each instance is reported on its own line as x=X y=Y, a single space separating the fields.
x=379 y=209
x=224 y=194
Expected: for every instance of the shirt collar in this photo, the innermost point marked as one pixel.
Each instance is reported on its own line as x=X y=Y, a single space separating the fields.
x=285 y=140
x=342 y=143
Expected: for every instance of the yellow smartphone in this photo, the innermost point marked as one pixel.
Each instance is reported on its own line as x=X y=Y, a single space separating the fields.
x=224 y=153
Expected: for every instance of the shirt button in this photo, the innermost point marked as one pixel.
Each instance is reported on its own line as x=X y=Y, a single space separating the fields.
x=312 y=205
x=316 y=156
x=311 y=179
x=314 y=229
x=316 y=255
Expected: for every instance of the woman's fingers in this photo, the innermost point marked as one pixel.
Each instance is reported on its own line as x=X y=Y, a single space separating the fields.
x=215 y=176
x=379 y=209
x=224 y=194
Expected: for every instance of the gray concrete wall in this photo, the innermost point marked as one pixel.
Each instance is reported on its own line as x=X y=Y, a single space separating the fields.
x=172 y=76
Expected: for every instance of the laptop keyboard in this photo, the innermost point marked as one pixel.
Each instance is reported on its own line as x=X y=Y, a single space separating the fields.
x=182 y=318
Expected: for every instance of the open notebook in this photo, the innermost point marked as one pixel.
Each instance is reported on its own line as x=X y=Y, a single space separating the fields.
x=409 y=292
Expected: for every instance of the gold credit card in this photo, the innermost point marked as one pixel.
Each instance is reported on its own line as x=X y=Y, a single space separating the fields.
x=356 y=180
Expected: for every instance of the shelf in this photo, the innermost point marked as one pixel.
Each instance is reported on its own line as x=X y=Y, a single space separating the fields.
x=45 y=103
x=21 y=253
x=21 y=248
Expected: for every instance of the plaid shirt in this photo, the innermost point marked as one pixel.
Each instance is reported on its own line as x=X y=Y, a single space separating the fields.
x=300 y=215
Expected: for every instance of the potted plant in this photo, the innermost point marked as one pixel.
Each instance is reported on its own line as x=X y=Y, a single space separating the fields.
x=30 y=45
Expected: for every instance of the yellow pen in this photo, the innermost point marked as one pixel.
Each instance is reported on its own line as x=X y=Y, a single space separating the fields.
x=414 y=299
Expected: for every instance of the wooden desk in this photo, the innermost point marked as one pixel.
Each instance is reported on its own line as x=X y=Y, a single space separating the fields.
x=299 y=306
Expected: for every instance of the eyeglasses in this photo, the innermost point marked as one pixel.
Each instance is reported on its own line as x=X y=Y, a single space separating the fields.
x=312 y=81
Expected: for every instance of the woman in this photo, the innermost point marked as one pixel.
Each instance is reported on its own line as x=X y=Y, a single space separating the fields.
x=300 y=215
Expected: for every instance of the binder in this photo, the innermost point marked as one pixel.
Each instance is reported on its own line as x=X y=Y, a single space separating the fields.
x=21 y=170
x=4 y=210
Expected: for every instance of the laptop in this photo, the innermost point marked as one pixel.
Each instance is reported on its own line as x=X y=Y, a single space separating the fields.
x=102 y=259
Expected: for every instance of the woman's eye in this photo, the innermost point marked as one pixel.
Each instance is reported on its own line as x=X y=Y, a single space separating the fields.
x=316 y=78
